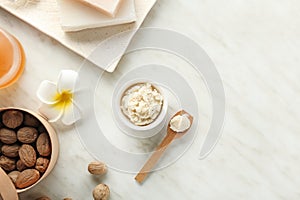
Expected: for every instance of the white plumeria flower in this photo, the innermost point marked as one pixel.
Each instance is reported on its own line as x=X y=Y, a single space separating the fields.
x=57 y=98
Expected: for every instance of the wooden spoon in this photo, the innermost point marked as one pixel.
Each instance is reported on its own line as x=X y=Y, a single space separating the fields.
x=171 y=135
x=7 y=188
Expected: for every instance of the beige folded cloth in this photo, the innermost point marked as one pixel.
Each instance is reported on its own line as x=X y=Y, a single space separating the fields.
x=44 y=15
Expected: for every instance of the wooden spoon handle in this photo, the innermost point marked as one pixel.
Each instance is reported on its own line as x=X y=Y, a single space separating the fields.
x=140 y=177
x=7 y=188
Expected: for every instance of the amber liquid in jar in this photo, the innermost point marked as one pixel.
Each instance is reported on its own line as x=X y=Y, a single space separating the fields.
x=12 y=59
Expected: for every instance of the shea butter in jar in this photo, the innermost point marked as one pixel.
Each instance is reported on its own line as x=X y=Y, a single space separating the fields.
x=139 y=107
x=141 y=103
x=12 y=59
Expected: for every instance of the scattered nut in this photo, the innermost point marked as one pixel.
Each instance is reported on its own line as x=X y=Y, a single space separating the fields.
x=67 y=199
x=101 y=192
x=27 y=135
x=10 y=150
x=12 y=118
x=97 y=168
x=41 y=164
x=20 y=165
x=43 y=145
x=27 y=178
x=30 y=120
x=8 y=136
x=14 y=175
x=7 y=164
x=27 y=155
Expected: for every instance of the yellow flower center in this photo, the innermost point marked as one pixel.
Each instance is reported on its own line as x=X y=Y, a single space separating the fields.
x=63 y=99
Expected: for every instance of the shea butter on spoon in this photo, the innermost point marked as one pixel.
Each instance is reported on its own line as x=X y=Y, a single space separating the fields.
x=180 y=123
x=181 y=127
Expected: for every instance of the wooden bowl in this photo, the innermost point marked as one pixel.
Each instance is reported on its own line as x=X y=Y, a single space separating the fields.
x=54 y=146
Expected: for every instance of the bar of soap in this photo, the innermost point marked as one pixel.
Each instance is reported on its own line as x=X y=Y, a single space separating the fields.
x=75 y=16
x=108 y=7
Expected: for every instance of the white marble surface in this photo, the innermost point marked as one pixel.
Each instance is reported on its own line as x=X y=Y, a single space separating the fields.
x=255 y=46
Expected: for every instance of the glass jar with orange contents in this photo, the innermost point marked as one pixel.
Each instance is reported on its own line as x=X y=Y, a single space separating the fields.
x=12 y=59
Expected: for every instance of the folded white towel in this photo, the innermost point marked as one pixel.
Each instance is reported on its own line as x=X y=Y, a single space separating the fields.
x=75 y=16
x=109 y=7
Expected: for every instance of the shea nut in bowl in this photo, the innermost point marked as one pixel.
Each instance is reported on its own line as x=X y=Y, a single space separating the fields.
x=140 y=108
x=29 y=147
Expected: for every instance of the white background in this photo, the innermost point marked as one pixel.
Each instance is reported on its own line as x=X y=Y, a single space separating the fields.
x=255 y=47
